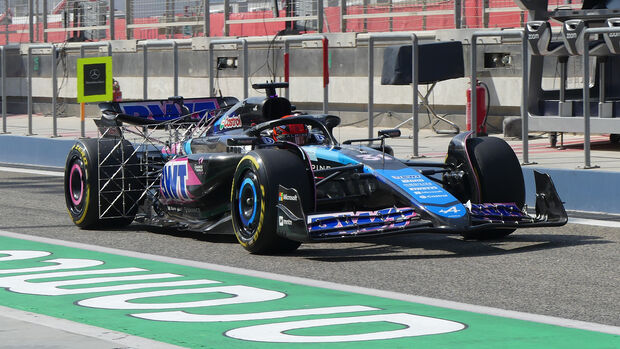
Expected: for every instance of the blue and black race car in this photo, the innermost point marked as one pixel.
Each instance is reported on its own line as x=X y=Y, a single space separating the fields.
x=282 y=178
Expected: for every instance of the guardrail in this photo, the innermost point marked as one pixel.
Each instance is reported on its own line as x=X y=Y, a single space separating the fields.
x=513 y=33
x=245 y=69
x=325 y=46
x=586 y=89
x=175 y=63
x=372 y=38
x=54 y=94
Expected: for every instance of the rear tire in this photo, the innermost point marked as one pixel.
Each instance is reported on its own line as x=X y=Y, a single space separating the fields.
x=81 y=181
x=254 y=197
x=500 y=178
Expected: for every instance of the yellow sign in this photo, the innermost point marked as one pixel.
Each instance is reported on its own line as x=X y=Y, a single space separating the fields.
x=94 y=79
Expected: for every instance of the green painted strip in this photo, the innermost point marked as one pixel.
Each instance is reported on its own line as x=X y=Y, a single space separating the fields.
x=275 y=319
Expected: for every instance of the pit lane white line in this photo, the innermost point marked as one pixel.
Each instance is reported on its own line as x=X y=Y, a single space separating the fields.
x=31 y=171
x=595 y=222
x=590 y=326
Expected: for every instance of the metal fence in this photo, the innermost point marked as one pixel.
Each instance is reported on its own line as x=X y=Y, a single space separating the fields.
x=80 y=20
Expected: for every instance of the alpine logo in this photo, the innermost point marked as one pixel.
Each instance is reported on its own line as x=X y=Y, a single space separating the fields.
x=452 y=209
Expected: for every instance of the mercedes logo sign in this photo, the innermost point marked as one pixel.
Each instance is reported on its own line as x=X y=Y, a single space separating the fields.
x=94 y=74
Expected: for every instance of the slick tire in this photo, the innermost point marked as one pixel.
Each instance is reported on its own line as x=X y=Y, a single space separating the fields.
x=81 y=184
x=499 y=176
x=254 y=196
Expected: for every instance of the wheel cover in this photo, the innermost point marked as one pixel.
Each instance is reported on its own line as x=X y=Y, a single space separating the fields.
x=247 y=202
x=76 y=188
x=248 y=205
x=76 y=184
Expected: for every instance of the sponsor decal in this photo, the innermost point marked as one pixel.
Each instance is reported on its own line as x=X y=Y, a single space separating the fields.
x=282 y=221
x=320 y=167
x=230 y=122
x=284 y=196
x=268 y=140
x=498 y=210
x=370 y=157
x=174 y=180
x=389 y=217
x=407 y=176
x=166 y=110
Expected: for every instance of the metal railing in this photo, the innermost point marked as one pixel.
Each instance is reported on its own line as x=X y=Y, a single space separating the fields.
x=245 y=69
x=54 y=94
x=372 y=38
x=586 y=89
x=175 y=63
x=514 y=33
x=325 y=65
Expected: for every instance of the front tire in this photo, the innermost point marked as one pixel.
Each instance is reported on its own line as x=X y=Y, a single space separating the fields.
x=254 y=197
x=499 y=176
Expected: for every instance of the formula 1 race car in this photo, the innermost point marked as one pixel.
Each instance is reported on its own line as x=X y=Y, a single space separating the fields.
x=282 y=178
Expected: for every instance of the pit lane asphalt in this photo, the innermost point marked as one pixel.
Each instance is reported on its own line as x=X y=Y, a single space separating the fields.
x=570 y=272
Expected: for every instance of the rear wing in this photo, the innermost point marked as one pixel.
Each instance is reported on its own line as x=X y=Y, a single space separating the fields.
x=156 y=111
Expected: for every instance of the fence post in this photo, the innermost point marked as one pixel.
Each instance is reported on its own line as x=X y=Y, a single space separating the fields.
x=54 y=93
x=371 y=73
x=3 y=53
x=30 y=21
x=175 y=63
x=390 y=19
x=458 y=13
x=145 y=72
x=29 y=73
x=111 y=14
x=365 y=11
x=226 y=15
x=206 y=30
x=343 y=12
x=524 y=99
x=586 y=101
x=6 y=26
x=414 y=87
x=128 y=18
x=319 y=18
x=485 y=13
x=44 y=21
x=246 y=68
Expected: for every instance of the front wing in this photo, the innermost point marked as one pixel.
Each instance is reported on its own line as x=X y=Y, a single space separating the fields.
x=295 y=224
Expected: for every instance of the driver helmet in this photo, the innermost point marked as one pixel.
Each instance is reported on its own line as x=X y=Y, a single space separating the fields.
x=294 y=133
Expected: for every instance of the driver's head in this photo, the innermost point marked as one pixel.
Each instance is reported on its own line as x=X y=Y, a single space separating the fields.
x=294 y=133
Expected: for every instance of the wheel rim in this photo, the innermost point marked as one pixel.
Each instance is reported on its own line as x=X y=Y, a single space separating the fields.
x=76 y=187
x=248 y=200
